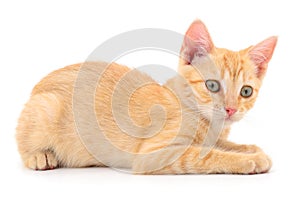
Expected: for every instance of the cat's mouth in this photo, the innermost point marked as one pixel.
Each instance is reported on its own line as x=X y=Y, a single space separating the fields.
x=229 y=119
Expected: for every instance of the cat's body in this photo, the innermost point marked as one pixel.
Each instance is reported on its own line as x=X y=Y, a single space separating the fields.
x=49 y=131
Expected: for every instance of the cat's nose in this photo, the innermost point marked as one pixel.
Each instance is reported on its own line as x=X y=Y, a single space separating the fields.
x=230 y=111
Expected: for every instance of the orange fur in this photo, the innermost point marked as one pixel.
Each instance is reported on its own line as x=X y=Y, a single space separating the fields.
x=47 y=132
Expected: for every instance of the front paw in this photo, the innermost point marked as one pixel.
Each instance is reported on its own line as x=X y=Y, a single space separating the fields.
x=260 y=163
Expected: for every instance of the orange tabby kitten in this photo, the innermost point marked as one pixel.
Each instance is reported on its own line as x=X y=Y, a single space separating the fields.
x=57 y=128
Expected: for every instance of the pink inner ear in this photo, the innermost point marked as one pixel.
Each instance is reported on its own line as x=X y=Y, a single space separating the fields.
x=198 y=33
x=197 y=40
x=262 y=53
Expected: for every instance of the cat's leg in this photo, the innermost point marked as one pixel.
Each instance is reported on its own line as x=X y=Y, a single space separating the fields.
x=226 y=145
x=47 y=137
x=217 y=161
x=241 y=148
x=34 y=132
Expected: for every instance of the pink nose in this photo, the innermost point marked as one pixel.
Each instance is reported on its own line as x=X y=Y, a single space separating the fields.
x=230 y=111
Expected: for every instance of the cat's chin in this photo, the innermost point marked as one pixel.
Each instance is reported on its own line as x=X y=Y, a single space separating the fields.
x=229 y=122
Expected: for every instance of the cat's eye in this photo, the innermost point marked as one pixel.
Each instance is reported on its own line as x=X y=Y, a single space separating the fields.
x=246 y=91
x=212 y=85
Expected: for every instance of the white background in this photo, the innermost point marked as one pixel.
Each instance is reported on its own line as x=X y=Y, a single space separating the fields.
x=38 y=37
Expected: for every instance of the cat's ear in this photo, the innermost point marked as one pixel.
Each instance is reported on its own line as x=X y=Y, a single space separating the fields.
x=261 y=54
x=197 y=42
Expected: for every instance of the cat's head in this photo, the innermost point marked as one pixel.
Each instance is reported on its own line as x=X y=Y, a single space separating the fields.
x=225 y=81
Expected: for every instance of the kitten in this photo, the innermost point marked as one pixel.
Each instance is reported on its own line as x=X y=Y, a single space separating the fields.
x=58 y=127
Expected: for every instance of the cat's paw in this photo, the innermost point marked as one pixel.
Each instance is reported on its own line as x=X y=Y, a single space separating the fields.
x=259 y=163
x=42 y=161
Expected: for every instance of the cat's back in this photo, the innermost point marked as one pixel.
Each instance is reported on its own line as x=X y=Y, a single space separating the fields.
x=63 y=81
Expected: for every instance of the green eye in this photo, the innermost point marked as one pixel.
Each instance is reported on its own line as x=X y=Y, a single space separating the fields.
x=246 y=91
x=212 y=85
